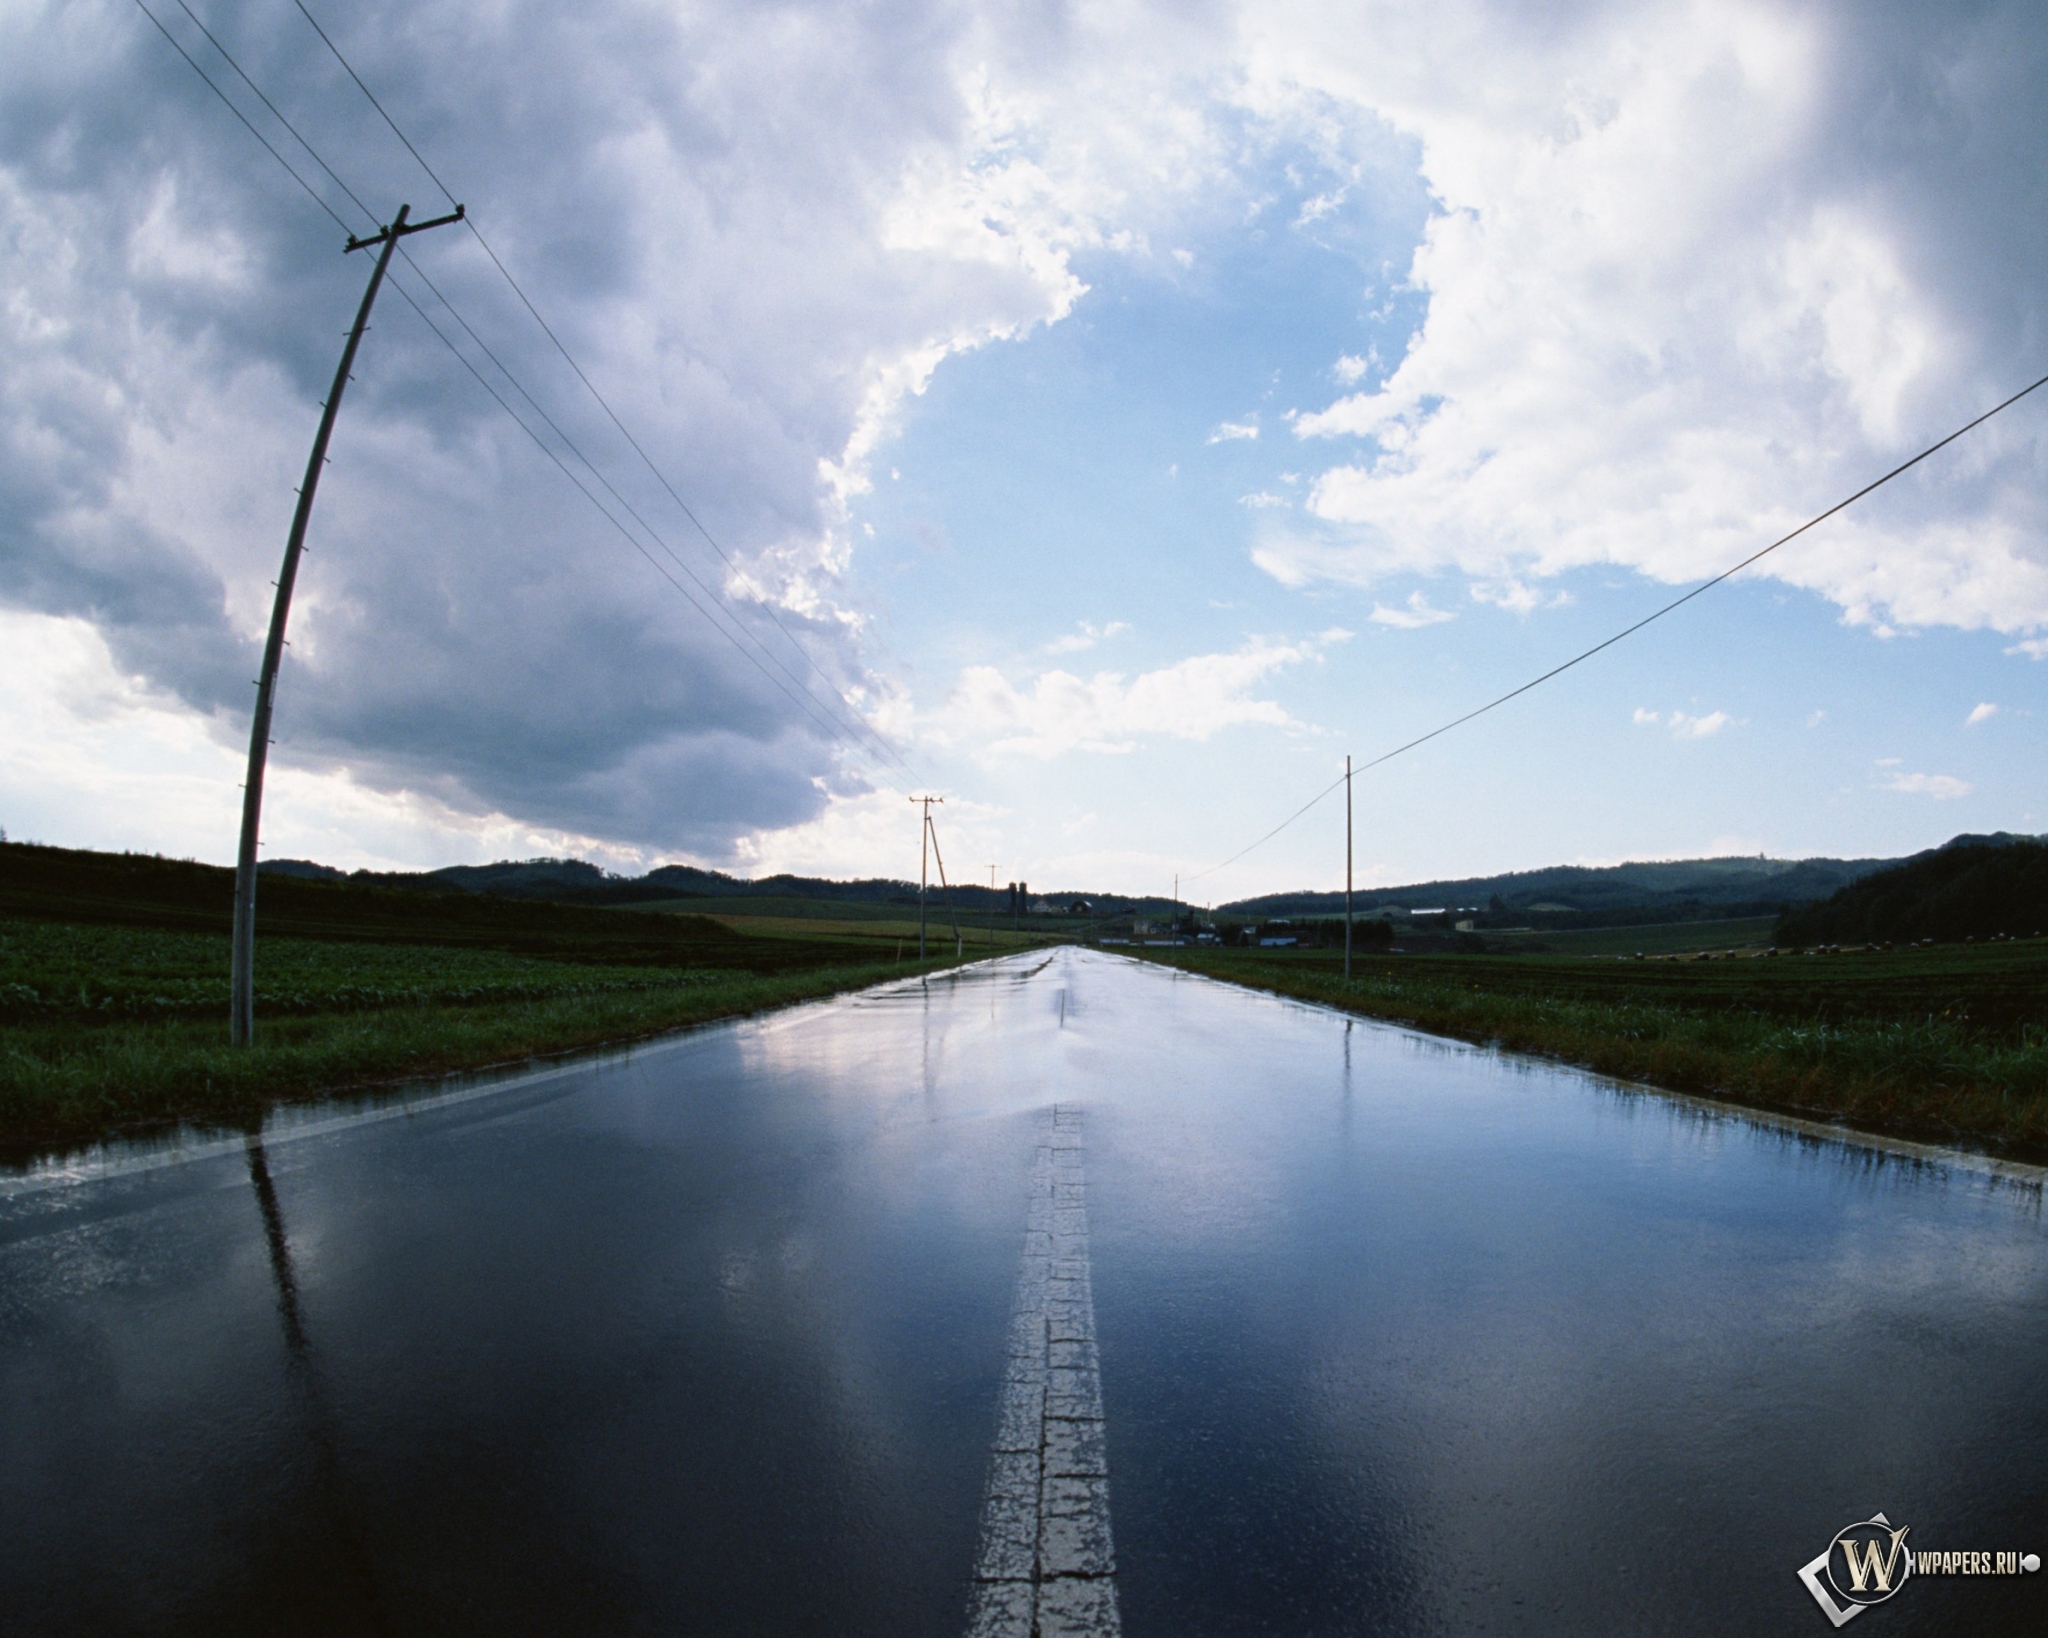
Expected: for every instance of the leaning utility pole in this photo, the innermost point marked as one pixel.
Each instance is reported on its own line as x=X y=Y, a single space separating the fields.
x=924 y=842
x=242 y=979
x=1347 y=867
x=952 y=905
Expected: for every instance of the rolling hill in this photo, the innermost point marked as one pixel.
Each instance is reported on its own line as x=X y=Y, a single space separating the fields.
x=1973 y=887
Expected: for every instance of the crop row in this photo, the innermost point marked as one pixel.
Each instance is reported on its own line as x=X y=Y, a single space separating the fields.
x=51 y=972
x=20 y=1003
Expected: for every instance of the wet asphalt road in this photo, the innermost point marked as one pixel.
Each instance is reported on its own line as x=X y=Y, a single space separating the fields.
x=737 y=1333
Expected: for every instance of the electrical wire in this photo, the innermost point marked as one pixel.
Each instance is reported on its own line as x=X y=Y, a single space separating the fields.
x=374 y=103
x=631 y=511
x=1629 y=631
x=275 y=112
x=833 y=727
x=805 y=702
x=520 y=388
x=312 y=192
x=801 y=702
x=761 y=598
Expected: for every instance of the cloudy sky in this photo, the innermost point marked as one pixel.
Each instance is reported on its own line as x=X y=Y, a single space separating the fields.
x=1107 y=416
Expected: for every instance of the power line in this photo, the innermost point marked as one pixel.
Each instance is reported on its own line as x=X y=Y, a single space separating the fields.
x=518 y=386
x=631 y=511
x=312 y=192
x=374 y=103
x=800 y=701
x=1629 y=631
x=834 y=728
x=762 y=600
x=275 y=112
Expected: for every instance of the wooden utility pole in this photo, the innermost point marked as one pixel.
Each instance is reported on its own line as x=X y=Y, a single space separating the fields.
x=945 y=887
x=1347 y=867
x=925 y=840
x=242 y=975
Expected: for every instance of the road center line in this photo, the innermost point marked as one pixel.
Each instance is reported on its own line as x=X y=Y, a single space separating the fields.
x=1045 y=1568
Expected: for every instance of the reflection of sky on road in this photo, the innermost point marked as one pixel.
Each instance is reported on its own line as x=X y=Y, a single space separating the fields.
x=1396 y=1335
x=1504 y=1346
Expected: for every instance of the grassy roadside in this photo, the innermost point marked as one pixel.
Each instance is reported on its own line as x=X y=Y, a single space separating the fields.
x=114 y=987
x=105 y=1028
x=1942 y=1046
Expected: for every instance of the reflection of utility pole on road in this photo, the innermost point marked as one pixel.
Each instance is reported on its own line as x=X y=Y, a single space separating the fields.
x=242 y=978
x=318 y=1421
x=280 y=1248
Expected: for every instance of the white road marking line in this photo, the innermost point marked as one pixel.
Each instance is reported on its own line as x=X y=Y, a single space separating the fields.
x=1046 y=1567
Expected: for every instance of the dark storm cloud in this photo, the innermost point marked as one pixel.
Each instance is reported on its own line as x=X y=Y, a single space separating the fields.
x=691 y=200
x=755 y=225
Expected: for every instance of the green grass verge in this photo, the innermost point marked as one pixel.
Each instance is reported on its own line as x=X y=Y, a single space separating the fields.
x=52 y=972
x=1942 y=1045
x=110 y=1029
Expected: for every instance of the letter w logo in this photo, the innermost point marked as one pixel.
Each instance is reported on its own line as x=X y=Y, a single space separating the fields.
x=1870 y=1569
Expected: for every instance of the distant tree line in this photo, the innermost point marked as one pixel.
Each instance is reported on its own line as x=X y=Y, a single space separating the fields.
x=1974 y=889
x=1499 y=915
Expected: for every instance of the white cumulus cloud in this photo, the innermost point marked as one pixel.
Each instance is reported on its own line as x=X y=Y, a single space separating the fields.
x=759 y=231
x=1682 y=295
x=1682 y=725
x=1678 y=289
x=1516 y=596
x=1057 y=712
x=1685 y=727
x=1982 y=713
x=1086 y=636
x=1411 y=616
x=1942 y=787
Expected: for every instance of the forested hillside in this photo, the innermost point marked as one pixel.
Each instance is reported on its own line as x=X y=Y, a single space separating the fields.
x=1976 y=887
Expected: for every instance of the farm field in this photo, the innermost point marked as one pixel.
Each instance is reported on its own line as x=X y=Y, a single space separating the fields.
x=114 y=987
x=1945 y=1044
x=1747 y=933
x=1665 y=938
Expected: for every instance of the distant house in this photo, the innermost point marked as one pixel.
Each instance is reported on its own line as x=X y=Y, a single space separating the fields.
x=1277 y=934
